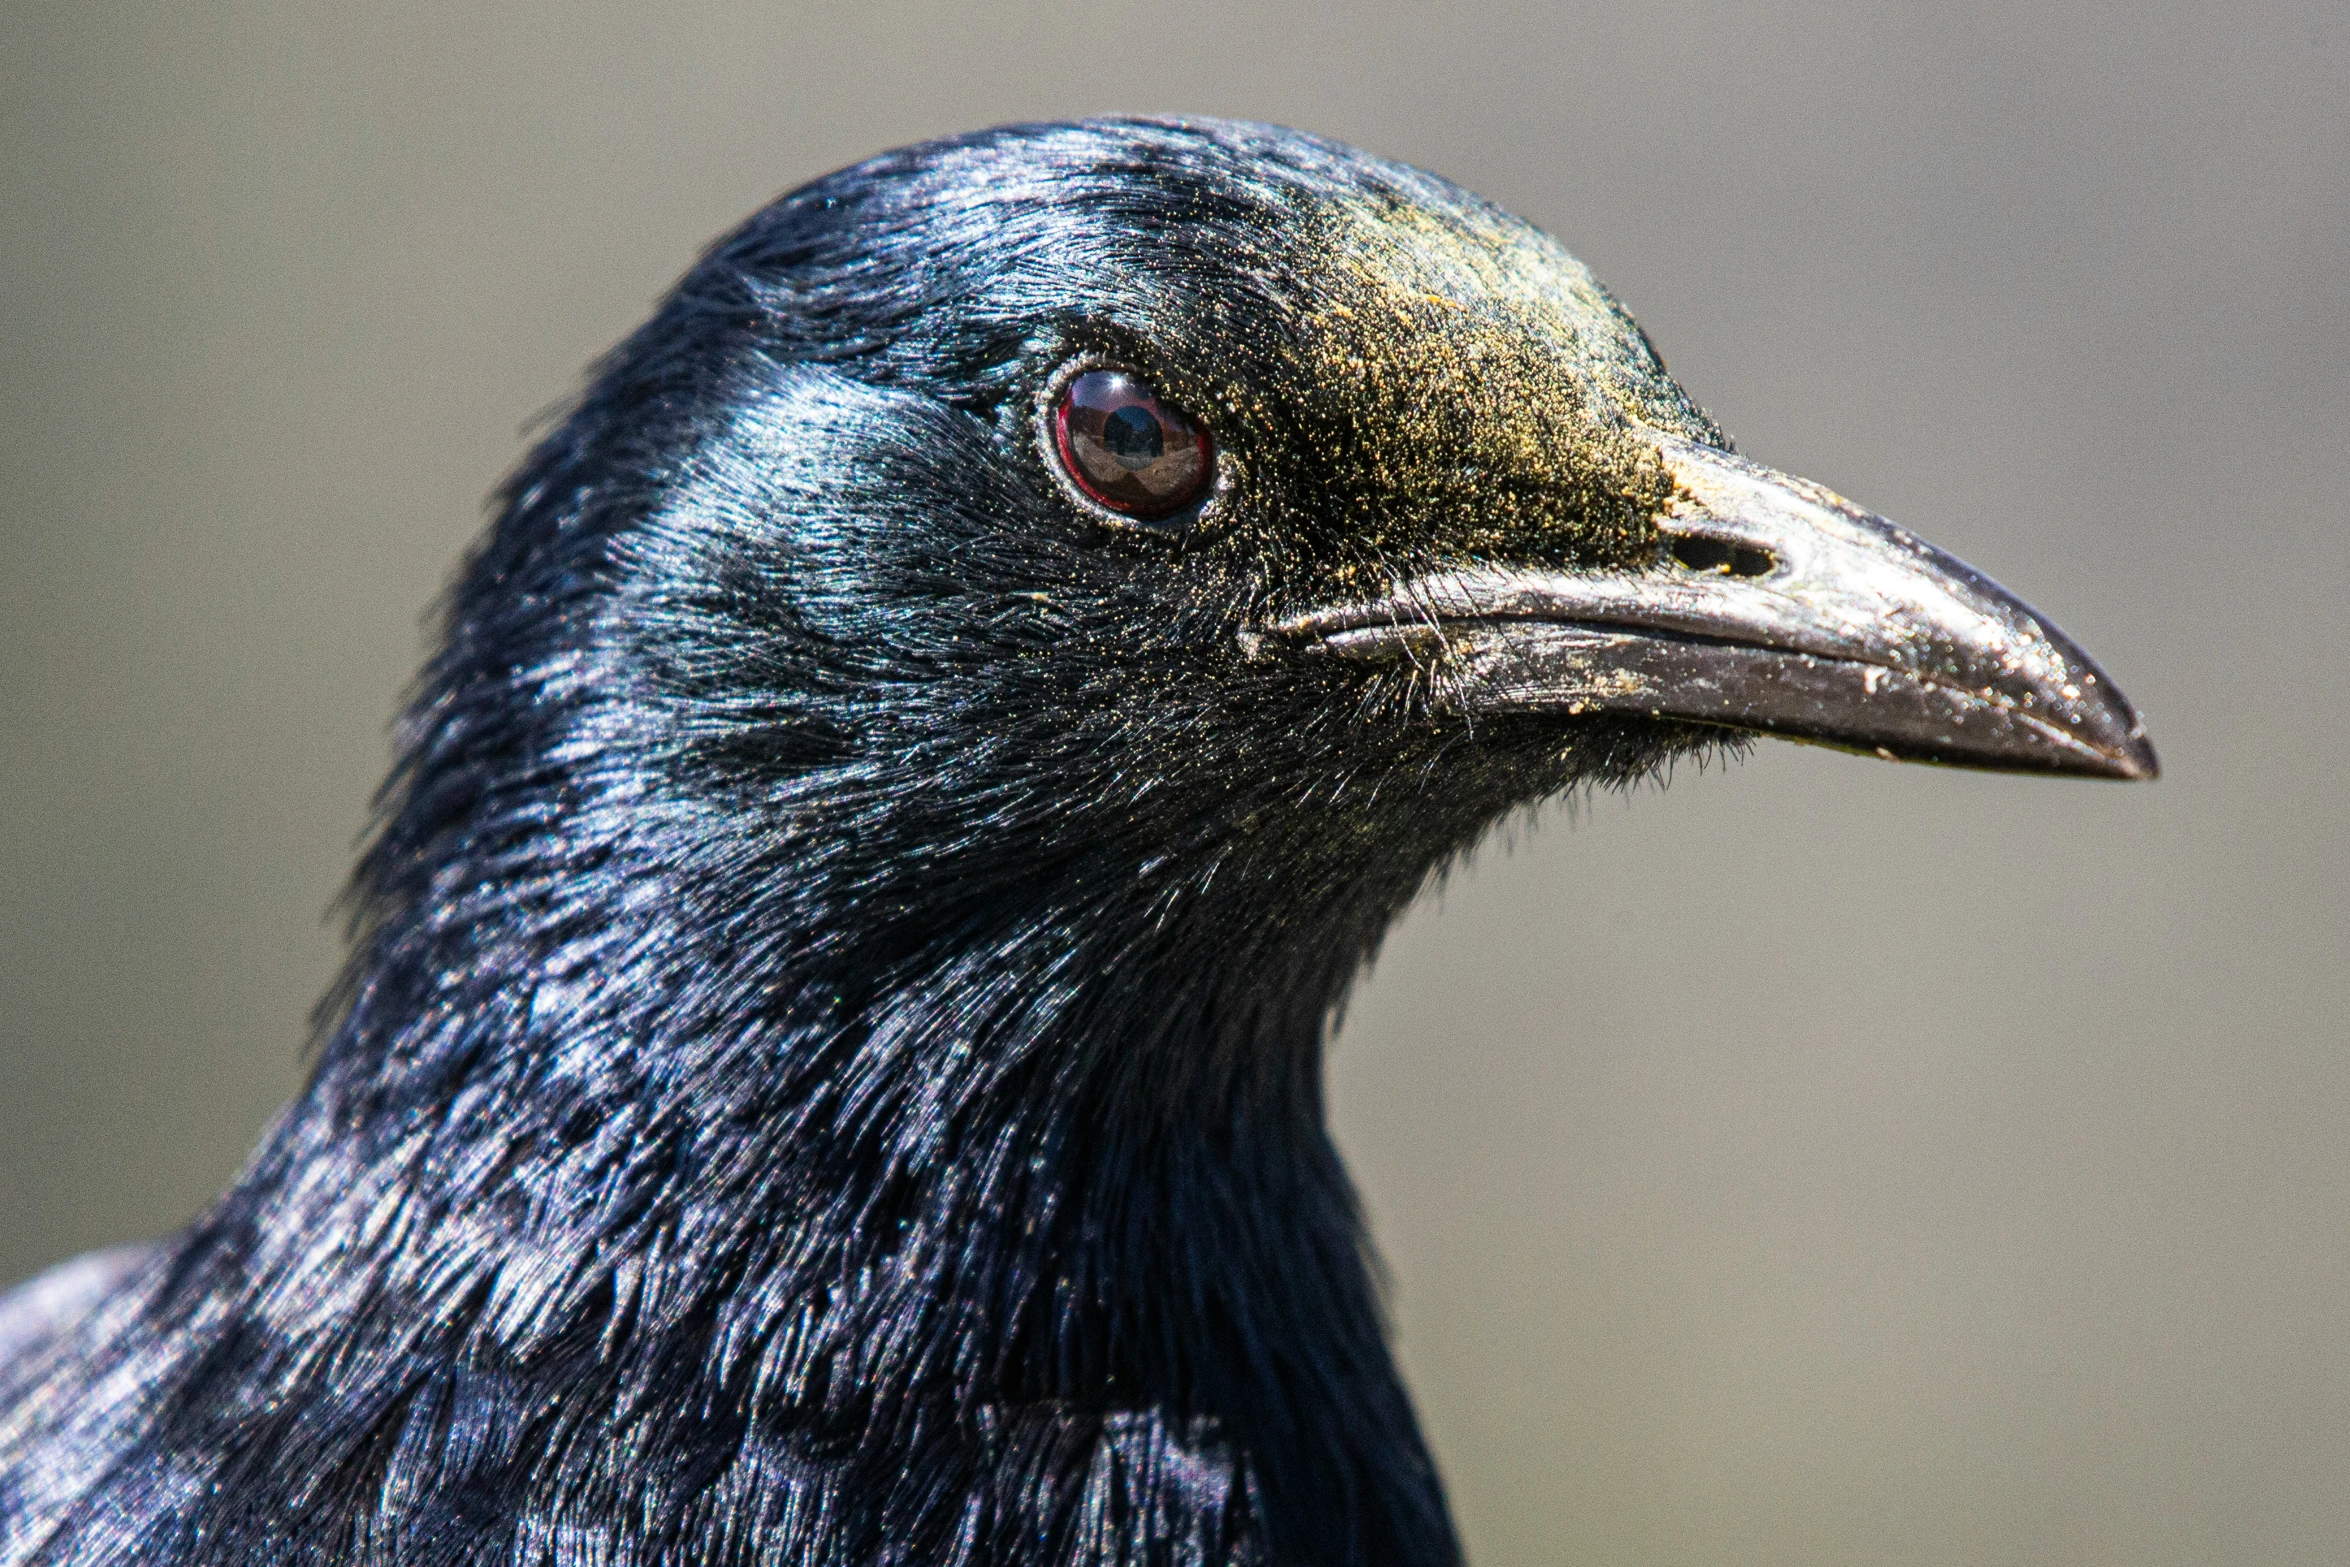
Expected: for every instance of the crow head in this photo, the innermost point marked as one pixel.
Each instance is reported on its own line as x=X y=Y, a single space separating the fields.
x=1132 y=516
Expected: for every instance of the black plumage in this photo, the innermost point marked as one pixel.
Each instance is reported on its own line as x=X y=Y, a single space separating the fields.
x=830 y=1066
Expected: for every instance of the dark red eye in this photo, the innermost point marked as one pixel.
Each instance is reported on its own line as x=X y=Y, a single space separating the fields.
x=1136 y=455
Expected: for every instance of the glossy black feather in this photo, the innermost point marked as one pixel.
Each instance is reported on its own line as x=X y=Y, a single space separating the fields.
x=830 y=1069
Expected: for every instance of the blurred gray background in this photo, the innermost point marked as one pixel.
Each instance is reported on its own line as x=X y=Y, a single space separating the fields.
x=1821 y=1162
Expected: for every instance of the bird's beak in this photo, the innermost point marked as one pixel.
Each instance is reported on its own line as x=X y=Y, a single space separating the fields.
x=1773 y=605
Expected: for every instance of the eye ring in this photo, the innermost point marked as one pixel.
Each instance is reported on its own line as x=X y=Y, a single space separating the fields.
x=1125 y=454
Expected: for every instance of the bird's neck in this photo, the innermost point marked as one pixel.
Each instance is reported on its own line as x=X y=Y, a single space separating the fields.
x=1047 y=1162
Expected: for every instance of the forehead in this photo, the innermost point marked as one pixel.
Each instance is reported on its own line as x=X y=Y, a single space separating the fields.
x=1462 y=383
x=1456 y=296
x=1372 y=279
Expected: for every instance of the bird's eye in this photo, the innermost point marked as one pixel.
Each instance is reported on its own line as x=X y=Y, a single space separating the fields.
x=1126 y=450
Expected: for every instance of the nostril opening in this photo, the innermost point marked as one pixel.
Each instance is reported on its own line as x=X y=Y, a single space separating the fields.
x=1699 y=552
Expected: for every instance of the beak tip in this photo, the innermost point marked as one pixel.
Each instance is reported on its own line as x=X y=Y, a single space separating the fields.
x=2136 y=761
x=2117 y=739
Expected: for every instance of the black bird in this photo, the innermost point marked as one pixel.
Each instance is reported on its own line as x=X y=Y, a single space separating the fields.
x=830 y=1065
